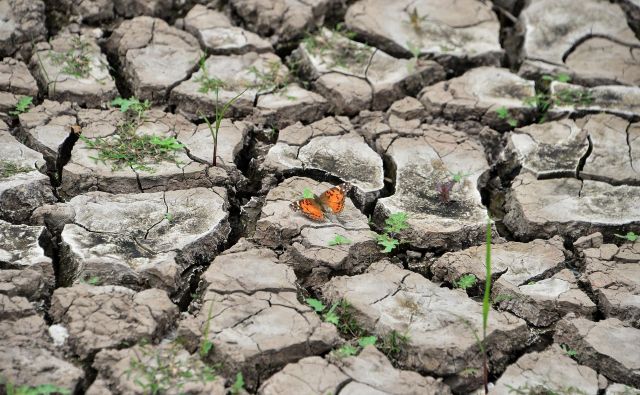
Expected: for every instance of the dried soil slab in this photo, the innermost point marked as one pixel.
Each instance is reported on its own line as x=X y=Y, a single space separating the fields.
x=34 y=366
x=153 y=56
x=72 y=68
x=125 y=371
x=216 y=33
x=613 y=275
x=607 y=346
x=15 y=83
x=478 y=94
x=422 y=165
x=253 y=316
x=141 y=240
x=15 y=307
x=88 y=11
x=621 y=389
x=22 y=250
x=133 y=8
x=368 y=373
x=620 y=100
x=461 y=34
x=589 y=40
x=525 y=285
x=22 y=23
x=440 y=322
x=355 y=77
x=281 y=20
x=549 y=370
x=562 y=149
x=568 y=207
x=287 y=106
x=308 y=242
x=331 y=146
x=22 y=187
x=110 y=316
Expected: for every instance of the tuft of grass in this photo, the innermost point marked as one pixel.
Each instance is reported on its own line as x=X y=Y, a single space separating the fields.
x=544 y=101
x=339 y=240
x=158 y=370
x=542 y=389
x=338 y=314
x=22 y=106
x=8 y=169
x=130 y=149
x=466 y=281
x=238 y=385
x=629 y=236
x=367 y=341
x=76 y=61
x=342 y=52
x=42 y=389
x=568 y=350
x=393 y=343
x=271 y=79
x=394 y=224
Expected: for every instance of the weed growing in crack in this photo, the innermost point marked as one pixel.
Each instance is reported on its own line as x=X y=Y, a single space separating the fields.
x=271 y=79
x=503 y=113
x=339 y=314
x=342 y=52
x=156 y=371
x=543 y=389
x=393 y=225
x=22 y=106
x=466 y=281
x=339 y=240
x=393 y=343
x=416 y=20
x=568 y=351
x=92 y=280
x=206 y=345
x=415 y=56
x=76 y=61
x=630 y=236
x=8 y=169
x=130 y=149
x=544 y=100
x=238 y=385
x=347 y=350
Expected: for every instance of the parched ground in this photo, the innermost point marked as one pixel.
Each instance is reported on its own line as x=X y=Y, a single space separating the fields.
x=131 y=264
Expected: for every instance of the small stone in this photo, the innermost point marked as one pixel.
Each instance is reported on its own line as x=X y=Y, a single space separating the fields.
x=59 y=334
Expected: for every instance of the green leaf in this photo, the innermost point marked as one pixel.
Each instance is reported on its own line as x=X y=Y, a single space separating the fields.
x=367 y=341
x=387 y=242
x=346 y=351
x=307 y=194
x=396 y=223
x=94 y=280
x=206 y=347
x=238 y=385
x=512 y=122
x=568 y=350
x=331 y=316
x=316 y=305
x=123 y=103
x=629 y=236
x=502 y=112
x=466 y=281
x=168 y=217
x=563 y=77
x=23 y=104
x=339 y=240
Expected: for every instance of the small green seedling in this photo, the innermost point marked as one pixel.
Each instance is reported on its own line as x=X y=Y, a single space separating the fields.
x=466 y=281
x=568 y=350
x=316 y=305
x=388 y=242
x=93 y=280
x=459 y=176
x=415 y=55
x=133 y=104
x=238 y=385
x=346 y=350
x=206 y=345
x=169 y=217
x=394 y=224
x=367 y=341
x=339 y=240
x=629 y=236
x=76 y=61
x=8 y=169
x=308 y=194
x=504 y=114
x=331 y=316
x=22 y=106
x=42 y=389
x=560 y=77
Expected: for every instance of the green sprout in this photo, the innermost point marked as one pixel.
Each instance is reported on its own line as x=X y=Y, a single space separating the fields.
x=503 y=113
x=629 y=236
x=22 y=106
x=339 y=240
x=76 y=60
x=568 y=350
x=308 y=194
x=367 y=341
x=238 y=385
x=466 y=281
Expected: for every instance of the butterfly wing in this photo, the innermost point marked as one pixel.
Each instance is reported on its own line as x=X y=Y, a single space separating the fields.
x=333 y=198
x=310 y=208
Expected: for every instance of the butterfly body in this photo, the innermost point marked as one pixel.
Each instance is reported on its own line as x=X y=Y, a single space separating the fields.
x=329 y=202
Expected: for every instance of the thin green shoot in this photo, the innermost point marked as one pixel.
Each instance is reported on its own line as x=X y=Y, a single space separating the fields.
x=22 y=106
x=631 y=236
x=339 y=240
x=238 y=385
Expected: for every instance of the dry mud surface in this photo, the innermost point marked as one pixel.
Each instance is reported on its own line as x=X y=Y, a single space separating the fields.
x=180 y=270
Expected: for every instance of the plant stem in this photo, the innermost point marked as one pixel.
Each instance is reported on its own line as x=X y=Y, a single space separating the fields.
x=486 y=305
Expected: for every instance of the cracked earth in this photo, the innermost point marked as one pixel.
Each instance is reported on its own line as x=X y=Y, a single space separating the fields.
x=179 y=276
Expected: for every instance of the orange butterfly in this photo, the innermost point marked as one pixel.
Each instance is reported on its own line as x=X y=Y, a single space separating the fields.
x=331 y=201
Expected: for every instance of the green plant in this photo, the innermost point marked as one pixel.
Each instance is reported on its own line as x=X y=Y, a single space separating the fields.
x=392 y=343
x=206 y=345
x=76 y=60
x=346 y=350
x=486 y=305
x=503 y=113
x=308 y=194
x=42 y=389
x=367 y=341
x=561 y=77
x=568 y=350
x=169 y=217
x=92 y=280
x=271 y=79
x=543 y=389
x=339 y=46
x=8 y=169
x=339 y=240
x=415 y=56
x=394 y=224
x=157 y=370
x=629 y=236
x=238 y=385
x=544 y=100
x=207 y=83
x=133 y=104
x=502 y=297
x=339 y=314
x=466 y=281
x=22 y=106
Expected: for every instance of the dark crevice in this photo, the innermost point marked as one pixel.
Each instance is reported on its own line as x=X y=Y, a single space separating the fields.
x=581 y=164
